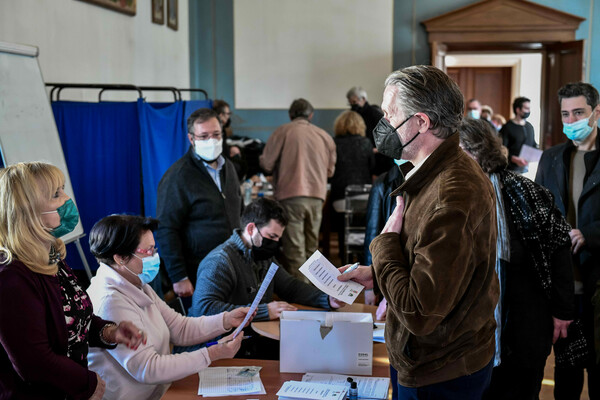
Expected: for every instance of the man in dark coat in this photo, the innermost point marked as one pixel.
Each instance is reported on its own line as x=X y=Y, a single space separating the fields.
x=571 y=171
x=198 y=202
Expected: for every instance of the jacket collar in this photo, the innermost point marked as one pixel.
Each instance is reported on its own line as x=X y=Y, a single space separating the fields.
x=109 y=279
x=447 y=152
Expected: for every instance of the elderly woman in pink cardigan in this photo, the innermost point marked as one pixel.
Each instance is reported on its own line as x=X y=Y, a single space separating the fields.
x=124 y=245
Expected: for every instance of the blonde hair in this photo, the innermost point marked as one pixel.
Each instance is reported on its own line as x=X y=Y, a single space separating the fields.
x=349 y=123
x=24 y=189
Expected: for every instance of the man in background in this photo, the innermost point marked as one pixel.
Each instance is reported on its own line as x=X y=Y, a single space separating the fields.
x=198 y=202
x=371 y=114
x=571 y=171
x=301 y=157
x=516 y=133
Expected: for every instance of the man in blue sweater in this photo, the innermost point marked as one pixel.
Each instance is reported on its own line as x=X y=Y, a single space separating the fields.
x=231 y=274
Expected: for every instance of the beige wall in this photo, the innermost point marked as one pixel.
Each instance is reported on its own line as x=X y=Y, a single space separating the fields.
x=82 y=43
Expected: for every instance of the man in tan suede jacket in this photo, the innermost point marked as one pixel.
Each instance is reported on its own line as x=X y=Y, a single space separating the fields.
x=434 y=260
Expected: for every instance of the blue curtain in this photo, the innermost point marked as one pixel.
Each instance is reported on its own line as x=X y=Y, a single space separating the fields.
x=163 y=141
x=113 y=149
x=101 y=144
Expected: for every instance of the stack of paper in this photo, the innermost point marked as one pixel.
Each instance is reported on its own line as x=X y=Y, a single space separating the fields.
x=368 y=387
x=230 y=381
x=293 y=390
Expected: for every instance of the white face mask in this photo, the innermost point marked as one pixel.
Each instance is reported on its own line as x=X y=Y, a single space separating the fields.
x=208 y=150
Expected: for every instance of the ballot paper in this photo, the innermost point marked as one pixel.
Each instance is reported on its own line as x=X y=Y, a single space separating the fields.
x=312 y=391
x=324 y=275
x=368 y=387
x=379 y=332
x=226 y=381
x=259 y=295
x=531 y=154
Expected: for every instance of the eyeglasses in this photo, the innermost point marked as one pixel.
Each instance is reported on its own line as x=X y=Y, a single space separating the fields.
x=206 y=136
x=148 y=252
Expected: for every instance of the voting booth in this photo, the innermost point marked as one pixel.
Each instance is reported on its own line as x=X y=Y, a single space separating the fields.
x=328 y=342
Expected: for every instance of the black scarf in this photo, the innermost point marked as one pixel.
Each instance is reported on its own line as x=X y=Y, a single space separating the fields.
x=539 y=223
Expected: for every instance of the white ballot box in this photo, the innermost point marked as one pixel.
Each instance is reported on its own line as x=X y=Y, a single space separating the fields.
x=332 y=342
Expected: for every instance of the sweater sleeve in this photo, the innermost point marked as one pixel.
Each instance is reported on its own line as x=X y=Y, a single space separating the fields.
x=216 y=287
x=294 y=290
x=270 y=155
x=172 y=210
x=146 y=364
x=24 y=337
x=187 y=331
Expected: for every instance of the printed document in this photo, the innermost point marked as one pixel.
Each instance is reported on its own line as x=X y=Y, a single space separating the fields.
x=312 y=391
x=261 y=292
x=368 y=387
x=531 y=154
x=324 y=275
x=227 y=381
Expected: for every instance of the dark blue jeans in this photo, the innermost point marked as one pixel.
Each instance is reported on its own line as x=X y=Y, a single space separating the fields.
x=468 y=387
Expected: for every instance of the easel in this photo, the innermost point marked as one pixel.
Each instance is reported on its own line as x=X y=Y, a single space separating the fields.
x=86 y=266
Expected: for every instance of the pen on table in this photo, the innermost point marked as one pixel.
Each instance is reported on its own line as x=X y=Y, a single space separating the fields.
x=217 y=342
x=352 y=268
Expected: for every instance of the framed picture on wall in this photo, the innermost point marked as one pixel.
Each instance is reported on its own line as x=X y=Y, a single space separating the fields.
x=158 y=11
x=124 y=6
x=172 y=17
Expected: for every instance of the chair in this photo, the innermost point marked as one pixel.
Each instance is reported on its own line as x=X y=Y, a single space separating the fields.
x=355 y=221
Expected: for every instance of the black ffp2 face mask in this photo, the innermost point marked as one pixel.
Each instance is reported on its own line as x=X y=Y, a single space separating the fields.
x=386 y=138
x=267 y=250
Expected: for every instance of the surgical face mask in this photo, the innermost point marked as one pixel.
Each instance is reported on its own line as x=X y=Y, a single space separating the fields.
x=526 y=115
x=475 y=114
x=578 y=130
x=400 y=162
x=150 y=268
x=69 y=217
x=386 y=138
x=208 y=150
x=267 y=249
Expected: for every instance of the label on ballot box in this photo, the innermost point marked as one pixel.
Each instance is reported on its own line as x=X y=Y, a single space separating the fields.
x=329 y=342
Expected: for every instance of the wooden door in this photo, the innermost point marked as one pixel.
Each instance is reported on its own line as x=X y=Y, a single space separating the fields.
x=489 y=85
x=563 y=63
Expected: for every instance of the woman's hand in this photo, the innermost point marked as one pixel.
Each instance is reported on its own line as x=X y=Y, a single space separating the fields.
x=227 y=347
x=125 y=333
x=394 y=222
x=100 y=388
x=233 y=318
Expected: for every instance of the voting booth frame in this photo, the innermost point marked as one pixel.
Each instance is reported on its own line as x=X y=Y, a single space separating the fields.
x=81 y=138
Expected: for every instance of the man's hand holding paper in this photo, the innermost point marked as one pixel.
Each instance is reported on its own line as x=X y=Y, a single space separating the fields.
x=325 y=276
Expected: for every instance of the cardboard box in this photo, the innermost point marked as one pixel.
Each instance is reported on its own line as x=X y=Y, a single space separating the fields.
x=346 y=348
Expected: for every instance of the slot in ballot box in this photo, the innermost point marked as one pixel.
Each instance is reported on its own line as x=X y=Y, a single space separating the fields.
x=330 y=342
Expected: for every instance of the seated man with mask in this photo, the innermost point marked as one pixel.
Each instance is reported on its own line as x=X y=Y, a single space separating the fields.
x=231 y=274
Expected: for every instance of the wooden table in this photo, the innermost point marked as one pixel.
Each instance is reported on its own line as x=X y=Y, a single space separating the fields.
x=272 y=379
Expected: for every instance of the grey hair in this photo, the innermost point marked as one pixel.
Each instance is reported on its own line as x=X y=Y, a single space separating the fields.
x=427 y=89
x=358 y=92
x=300 y=108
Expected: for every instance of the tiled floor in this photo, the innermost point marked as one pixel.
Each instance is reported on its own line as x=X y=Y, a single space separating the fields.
x=547 y=392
